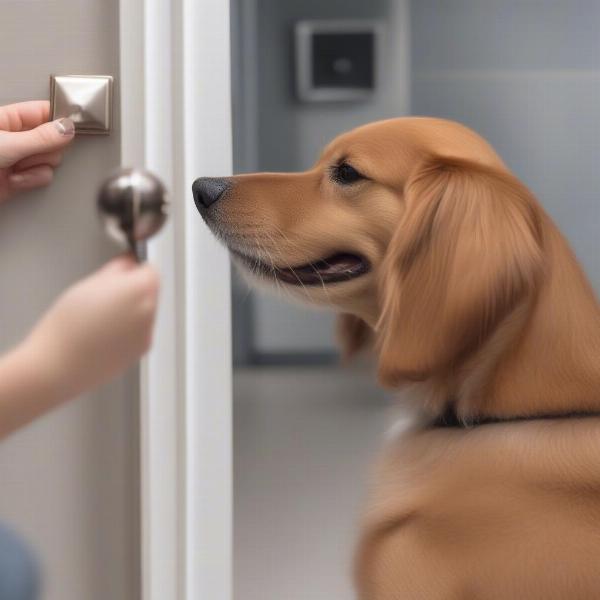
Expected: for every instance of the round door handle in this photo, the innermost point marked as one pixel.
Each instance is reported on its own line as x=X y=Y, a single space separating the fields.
x=133 y=205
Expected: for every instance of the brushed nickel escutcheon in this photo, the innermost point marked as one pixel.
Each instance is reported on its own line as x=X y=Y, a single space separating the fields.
x=87 y=99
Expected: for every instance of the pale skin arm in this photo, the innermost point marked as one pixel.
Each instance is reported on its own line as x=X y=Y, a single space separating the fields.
x=97 y=328
x=26 y=392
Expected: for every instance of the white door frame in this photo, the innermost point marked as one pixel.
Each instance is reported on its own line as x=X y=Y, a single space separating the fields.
x=176 y=121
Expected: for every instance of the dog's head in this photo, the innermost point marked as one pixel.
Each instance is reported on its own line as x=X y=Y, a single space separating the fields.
x=412 y=228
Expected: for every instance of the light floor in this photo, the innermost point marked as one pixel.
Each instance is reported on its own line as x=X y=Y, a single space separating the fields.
x=304 y=442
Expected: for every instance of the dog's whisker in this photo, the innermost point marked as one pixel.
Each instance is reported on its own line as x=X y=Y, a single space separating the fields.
x=322 y=282
x=298 y=279
x=312 y=266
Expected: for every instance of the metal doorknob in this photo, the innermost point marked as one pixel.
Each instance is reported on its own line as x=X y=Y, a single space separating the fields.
x=133 y=205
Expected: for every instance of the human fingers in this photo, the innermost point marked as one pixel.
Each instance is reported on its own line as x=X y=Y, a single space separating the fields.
x=34 y=177
x=49 y=137
x=52 y=159
x=24 y=115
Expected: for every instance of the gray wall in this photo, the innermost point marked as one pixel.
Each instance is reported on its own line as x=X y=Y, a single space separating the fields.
x=526 y=75
x=292 y=133
x=275 y=132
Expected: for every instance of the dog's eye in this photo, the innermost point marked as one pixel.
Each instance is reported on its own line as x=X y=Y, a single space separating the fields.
x=345 y=174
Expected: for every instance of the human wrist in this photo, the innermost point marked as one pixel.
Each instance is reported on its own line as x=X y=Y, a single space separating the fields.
x=43 y=362
x=29 y=387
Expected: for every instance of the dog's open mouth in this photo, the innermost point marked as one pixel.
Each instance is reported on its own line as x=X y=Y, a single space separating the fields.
x=336 y=268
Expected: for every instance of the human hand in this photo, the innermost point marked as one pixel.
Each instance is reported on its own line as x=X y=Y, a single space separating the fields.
x=30 y=147
x=97 y=328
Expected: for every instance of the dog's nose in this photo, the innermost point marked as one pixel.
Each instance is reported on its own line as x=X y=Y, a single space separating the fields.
x=207 y=190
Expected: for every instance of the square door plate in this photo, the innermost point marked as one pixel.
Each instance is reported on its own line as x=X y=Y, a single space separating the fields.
x=87 y=99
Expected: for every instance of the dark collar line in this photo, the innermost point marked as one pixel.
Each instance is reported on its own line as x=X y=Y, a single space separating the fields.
x=450 y=419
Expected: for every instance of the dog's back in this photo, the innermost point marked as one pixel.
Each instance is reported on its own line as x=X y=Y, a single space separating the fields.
x=496 y=512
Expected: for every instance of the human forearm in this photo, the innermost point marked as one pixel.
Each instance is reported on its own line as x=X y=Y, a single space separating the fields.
x=28 y=388
x=93 y=332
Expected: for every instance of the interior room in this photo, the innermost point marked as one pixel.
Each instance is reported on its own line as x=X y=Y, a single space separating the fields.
x=176 y=422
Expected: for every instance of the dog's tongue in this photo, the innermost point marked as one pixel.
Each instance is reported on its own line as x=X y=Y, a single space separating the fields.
x=335 y=268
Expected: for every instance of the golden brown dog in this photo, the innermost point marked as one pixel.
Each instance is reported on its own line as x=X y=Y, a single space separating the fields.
x=415 y=230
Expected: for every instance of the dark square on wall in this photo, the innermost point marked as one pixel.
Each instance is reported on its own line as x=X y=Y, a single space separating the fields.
x=336 y=60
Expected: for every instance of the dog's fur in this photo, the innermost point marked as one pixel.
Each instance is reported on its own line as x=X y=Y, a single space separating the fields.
x=474 y=297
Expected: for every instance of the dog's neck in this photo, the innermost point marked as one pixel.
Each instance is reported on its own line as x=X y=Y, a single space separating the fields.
x=544 y=359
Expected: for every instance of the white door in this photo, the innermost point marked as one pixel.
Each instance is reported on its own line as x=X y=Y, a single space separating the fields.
x=126 y=492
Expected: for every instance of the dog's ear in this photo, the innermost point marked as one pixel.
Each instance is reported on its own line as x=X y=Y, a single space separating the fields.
x=468 y=249
x=353 y=334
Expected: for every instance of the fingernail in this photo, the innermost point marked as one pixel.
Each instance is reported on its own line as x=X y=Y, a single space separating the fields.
x=65 y=126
